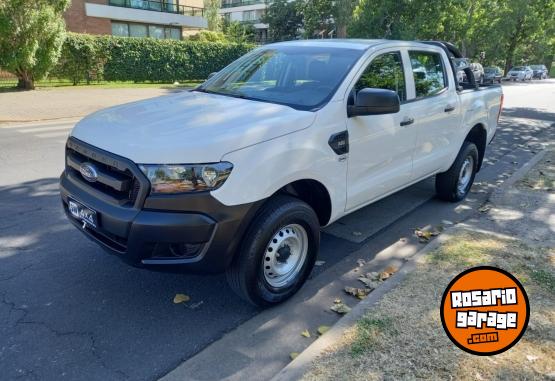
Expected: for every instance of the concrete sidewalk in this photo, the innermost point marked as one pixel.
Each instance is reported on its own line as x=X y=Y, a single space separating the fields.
x=69 y=102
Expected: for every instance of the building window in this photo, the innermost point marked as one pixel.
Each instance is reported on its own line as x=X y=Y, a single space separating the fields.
x=249 y=15
x=138 y=30
x=120 y=29
x=124 y=29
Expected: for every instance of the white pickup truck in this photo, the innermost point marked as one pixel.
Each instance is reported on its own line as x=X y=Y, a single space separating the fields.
x=240 y=174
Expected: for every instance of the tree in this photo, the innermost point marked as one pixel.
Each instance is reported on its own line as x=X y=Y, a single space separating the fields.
x=31 y=37
x=284 y=20
x=317 y=16
x=239 y=32
x=342 y=11
x=211 y=8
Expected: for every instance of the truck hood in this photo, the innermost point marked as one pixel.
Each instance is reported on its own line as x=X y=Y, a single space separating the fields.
x=188 y=127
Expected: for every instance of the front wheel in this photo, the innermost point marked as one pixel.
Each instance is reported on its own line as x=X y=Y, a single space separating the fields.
x=277 y=253
x=454 y=184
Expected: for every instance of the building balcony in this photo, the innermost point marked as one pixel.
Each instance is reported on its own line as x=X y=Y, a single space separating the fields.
x=158 y=6
x=242 y=3
x=150 y=12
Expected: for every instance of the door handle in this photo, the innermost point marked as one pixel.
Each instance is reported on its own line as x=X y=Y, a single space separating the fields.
x=449 y=108
x=407 y=122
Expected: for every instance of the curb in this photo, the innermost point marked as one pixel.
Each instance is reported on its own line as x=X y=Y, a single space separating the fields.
x=302 y=363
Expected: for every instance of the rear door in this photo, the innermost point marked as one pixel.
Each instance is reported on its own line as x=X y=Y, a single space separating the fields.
x=437 y=111
x=380 y=146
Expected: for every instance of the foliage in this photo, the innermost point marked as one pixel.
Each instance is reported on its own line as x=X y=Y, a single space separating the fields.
x=211 y=8
x=317 y=16
x=284 y=19
x=208 y=36
x=239 y=32
x=82 y=58
x=146 y=59
x=31 y=36
x=508 y=31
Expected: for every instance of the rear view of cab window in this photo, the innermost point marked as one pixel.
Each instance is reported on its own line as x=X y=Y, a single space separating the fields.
x=428 y=72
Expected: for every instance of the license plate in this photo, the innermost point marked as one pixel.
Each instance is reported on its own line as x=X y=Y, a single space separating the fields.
x=82 y=213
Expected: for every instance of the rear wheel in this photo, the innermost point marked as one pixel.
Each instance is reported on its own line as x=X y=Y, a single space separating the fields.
x=454 y=184
x=277 y=253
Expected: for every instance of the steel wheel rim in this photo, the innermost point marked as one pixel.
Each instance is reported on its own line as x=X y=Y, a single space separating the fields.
x=285 y=255
x=465 y=175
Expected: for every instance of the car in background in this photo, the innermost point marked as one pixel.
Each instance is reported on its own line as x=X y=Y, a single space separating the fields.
x=539 y=71
x=520 y=73
x=492 y=74
x=478 y=72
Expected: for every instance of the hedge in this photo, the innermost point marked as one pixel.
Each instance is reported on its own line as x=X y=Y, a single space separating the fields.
x=143 y=59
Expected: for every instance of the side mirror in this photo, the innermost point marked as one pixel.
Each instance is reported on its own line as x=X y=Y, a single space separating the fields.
x=212 y=74
x=374 y=102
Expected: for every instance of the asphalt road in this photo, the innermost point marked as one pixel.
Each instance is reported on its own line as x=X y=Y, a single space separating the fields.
x=70 y=311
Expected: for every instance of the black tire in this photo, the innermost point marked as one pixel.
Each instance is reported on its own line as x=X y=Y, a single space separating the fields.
x=246 y=273
x=447 y=183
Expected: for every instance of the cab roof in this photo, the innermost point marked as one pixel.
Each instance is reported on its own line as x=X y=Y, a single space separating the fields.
x=346 y=43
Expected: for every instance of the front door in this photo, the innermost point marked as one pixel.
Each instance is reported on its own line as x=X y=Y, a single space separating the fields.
x=380 y=146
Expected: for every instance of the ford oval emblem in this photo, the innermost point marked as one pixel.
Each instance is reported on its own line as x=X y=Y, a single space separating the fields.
x=88 y=171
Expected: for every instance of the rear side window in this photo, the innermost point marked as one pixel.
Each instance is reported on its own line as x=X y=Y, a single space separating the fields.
x=428 y=72
x=384 y=72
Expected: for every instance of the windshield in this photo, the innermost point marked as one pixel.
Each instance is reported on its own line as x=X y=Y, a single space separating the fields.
x=518 y=68
x=490 y=70
x=536 y=67
x=301 y=77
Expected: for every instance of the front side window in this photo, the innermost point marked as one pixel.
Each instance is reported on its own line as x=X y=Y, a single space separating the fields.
x=303 y=77
x=428 y=72
x=384 y=72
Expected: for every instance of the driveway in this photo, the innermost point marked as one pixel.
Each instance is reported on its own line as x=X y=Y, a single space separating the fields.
x=70 y=311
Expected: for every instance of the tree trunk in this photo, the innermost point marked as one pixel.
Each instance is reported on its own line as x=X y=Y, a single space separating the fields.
x=342 y=31
x=25 y=81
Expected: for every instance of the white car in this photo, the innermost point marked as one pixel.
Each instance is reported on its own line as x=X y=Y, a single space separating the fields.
x=520 y=73
x=240 y=174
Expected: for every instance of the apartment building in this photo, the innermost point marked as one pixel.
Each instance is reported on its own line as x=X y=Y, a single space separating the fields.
x=247 y=11
x=164 y=19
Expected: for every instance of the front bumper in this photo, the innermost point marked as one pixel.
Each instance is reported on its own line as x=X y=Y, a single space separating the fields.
x=186 y=232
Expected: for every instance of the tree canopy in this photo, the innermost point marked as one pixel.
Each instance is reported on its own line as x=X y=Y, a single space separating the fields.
x=31 y=37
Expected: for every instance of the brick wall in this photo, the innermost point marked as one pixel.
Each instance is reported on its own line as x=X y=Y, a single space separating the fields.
x=77 y=21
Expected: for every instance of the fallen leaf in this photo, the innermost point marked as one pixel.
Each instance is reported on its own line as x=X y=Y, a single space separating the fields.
x=384 y=275
x=423 y=235
x=323 y=329
x=484 y=208
x=340 y=308
x=293 y=355
x=361 y=262
x=337 y=301
x=374 y=275
x=319 y=263
x=305 y=333
x=391 y=269
x=371 y=284
x=181 y=298
x=360 y=293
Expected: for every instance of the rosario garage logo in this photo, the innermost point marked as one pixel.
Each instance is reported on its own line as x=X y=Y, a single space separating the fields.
x=485 y=310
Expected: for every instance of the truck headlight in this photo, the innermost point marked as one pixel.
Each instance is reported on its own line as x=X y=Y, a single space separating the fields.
x=182 y=178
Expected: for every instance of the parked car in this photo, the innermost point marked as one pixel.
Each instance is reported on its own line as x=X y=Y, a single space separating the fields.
x=520 y=73
x=492 y=74
x=478 y=72
x=539 y=71
x=240 y=174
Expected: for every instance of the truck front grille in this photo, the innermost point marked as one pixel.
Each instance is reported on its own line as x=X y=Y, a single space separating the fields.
x=118 y=179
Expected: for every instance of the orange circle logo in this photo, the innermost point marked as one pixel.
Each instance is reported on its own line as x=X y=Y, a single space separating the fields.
x=485 y=310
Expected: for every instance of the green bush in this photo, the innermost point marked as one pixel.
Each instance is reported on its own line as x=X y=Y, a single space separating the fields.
x=143 y=59
x=82 y=58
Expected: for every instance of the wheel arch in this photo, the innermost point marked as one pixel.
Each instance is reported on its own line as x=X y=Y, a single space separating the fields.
x=314 y=193
x=478 y=135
